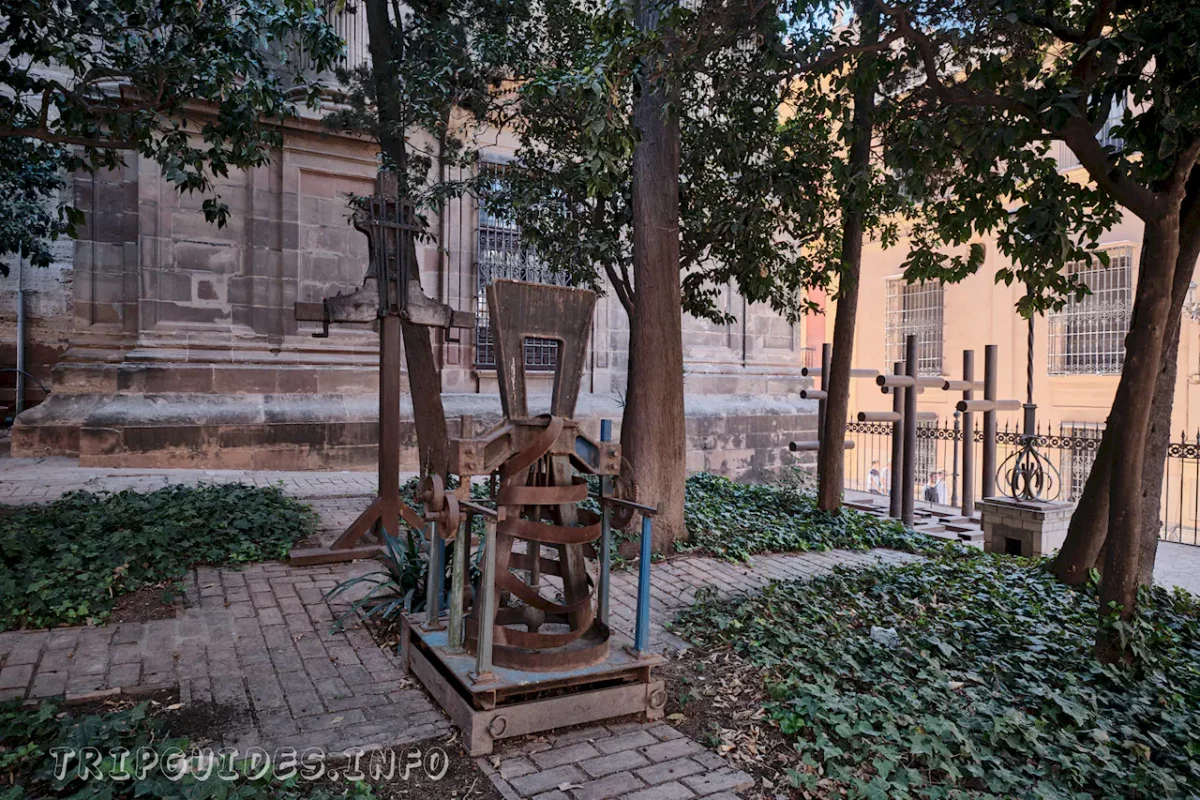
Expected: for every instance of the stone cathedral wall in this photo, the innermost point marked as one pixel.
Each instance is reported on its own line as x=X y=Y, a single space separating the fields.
x=170 y=342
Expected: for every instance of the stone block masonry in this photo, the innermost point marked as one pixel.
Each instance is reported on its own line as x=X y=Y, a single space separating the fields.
x=1024 y=528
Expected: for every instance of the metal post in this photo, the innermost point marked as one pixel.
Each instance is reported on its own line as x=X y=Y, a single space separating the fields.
x=433 y=578
x=605 y=532
x=988 y=488
x=968 y=426
x=910 y=432
x=487 y=607
x=462 y=551
x=822 y=404
x=954 y=472
x=20 y=388
x=641 y=638
x=389 y=425
x=897 y=446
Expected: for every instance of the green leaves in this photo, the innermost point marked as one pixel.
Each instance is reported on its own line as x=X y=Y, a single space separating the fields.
x=735 y=521
x=97 y=83
x=67 y=562
x=992 y=691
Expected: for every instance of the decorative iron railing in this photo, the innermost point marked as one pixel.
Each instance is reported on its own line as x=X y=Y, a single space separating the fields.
x=1072 y=447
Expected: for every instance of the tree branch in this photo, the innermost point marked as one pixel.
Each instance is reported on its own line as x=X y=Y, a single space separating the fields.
x=1078 y=135
x=62 y=138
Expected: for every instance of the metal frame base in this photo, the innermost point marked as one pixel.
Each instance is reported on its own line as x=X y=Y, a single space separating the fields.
x=515 y=703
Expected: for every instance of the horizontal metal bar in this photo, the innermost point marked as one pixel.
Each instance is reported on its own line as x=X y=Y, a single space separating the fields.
x=813 y=394
x=812 y=445
x=477 y=508
x=815 y=372
x=879 y=416
x=607 y=499
x=901 y=381
x=962 y=386
x=988 y=405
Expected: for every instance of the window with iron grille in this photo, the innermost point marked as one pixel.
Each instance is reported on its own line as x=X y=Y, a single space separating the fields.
x=915 y=308
x=502 y=255
x=1087 y=337
x=1079 y=444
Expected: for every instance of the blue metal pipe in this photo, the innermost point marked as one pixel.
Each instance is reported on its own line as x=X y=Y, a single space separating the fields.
x=641 y=639
x=605 y=532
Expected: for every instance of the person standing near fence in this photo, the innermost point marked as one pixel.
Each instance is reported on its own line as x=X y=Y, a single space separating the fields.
x=875 y=479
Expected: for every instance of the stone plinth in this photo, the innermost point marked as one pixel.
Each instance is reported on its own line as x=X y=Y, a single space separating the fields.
x=1024 y=528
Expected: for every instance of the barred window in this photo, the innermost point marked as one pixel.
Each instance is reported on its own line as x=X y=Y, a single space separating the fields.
x=502 y=255
x=1087 y=337
x=915 y=308
x=1079 y=443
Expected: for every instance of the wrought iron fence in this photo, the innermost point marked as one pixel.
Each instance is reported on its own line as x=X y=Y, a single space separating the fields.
x=1071 y=447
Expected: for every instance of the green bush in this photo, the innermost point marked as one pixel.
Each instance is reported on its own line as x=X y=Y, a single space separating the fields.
x=970 y=677
x=31 y=735
x=736 y=520
x=67 y=562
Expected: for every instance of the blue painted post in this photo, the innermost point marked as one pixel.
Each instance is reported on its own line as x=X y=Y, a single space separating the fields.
x=641 y=639
x=605 y=530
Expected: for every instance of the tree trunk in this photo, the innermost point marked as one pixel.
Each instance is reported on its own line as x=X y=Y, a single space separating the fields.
x=831 y=457
x=653 y=434
x=1130 y=422
x=1083 y=548
x=1159 y=437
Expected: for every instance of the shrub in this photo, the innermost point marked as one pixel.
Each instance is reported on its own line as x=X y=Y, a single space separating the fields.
x=67 y=562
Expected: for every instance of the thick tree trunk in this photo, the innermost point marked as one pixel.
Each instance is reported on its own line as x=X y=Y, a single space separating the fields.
x=1083 y=549
x=1159 y=438
x=1130 y=422
x=653 y=434
x=831 y=457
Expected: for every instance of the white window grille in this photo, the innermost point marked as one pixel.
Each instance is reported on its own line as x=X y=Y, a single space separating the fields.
x=1079 y=442
x=915 y=308
x=1087 y=337
x=502 y=255
x=1066 y=156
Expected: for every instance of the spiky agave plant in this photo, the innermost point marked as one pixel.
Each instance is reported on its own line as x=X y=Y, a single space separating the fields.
x=398 y=587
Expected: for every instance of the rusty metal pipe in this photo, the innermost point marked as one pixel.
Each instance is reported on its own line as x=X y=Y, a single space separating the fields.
x=815 y=372
x=910 y=432
x=897 y=447
x=811 y=446
x=990 y=354
x=988 y=405
x=968 y=436
x=822 y=404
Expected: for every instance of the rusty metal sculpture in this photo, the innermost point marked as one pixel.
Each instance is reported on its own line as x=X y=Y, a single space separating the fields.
x=391 y=293
x=534 y=651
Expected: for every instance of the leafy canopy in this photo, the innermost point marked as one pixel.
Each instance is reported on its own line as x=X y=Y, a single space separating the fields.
x=196 y=87
x=998 y=85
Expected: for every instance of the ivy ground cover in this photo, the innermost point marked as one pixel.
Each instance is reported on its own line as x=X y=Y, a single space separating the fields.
x=132 y=755
x=66 y=563
x=967 y=677
x=734 y=521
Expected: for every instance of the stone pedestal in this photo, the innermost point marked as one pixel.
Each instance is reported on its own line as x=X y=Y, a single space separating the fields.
x=1024 y=528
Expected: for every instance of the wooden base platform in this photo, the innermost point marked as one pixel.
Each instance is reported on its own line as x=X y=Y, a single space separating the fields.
x=515 y=703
